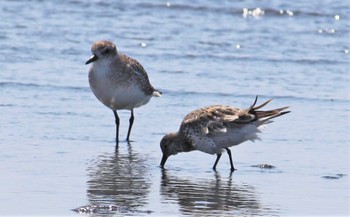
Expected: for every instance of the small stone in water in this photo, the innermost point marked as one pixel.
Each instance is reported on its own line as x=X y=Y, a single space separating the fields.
x=107 y=209
x=336 y=176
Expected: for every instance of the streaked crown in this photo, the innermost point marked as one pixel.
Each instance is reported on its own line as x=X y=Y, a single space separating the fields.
x=104 y=49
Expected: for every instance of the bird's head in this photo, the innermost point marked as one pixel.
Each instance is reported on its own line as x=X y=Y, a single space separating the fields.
x=173 y=143
x=102 y=50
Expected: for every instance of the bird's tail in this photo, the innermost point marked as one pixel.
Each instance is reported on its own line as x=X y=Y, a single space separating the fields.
x=157 y=93
x=264 y=117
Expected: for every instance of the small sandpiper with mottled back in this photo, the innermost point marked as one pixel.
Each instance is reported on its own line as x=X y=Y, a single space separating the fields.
x=214 y=128
x=118 y=81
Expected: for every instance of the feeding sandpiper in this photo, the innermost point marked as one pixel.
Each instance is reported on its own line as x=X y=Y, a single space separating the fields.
x=213 y=128
x=118 y=81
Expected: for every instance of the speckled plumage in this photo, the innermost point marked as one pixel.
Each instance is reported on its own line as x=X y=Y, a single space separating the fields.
x=213 y=128
x=118 y=81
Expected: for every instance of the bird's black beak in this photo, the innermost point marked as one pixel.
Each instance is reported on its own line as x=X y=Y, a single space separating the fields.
x=164 y=158
x=92 y=59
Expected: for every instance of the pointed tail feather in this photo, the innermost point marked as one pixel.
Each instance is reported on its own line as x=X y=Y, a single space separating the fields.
x=264 y=116
x=253 y=107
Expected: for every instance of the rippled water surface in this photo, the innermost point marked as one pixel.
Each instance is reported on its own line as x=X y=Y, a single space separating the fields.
x=57 y=141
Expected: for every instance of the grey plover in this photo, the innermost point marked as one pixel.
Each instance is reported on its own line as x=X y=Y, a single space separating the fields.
x=118 y=81
x=214 y=128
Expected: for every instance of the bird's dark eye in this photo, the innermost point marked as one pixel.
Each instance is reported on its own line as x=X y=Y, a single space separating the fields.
x=106 y=51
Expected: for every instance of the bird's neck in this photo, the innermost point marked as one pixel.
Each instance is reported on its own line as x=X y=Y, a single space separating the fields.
x=181 y=144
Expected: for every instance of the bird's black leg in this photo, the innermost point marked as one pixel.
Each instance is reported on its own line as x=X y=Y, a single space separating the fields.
x=230 y=156
x=217 y=160
x=117 y=126
x=131 y=121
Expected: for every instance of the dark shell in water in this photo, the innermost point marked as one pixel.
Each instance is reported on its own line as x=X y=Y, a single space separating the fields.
x=264 y=166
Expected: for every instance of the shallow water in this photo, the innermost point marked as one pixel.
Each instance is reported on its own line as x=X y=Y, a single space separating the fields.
x=57 y=141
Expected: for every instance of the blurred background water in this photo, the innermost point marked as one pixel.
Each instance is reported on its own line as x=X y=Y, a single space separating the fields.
x=57 y=149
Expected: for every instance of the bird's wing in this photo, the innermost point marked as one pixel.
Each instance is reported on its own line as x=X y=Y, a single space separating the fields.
x=134 y=65
x=216 y=119
x=141 y=75
x=200 y=125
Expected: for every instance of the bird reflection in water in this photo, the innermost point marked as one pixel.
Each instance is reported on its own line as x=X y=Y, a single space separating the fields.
x=119 y=178
x=211 y=196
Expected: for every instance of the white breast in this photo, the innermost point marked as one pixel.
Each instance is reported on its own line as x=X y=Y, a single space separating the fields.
x=113 y=93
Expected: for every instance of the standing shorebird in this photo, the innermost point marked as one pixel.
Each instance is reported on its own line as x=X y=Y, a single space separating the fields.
x=213 y=128
x=118 y=81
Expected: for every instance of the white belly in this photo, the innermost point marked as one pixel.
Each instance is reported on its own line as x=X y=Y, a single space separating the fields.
x=118 y=96
x=235 y=136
